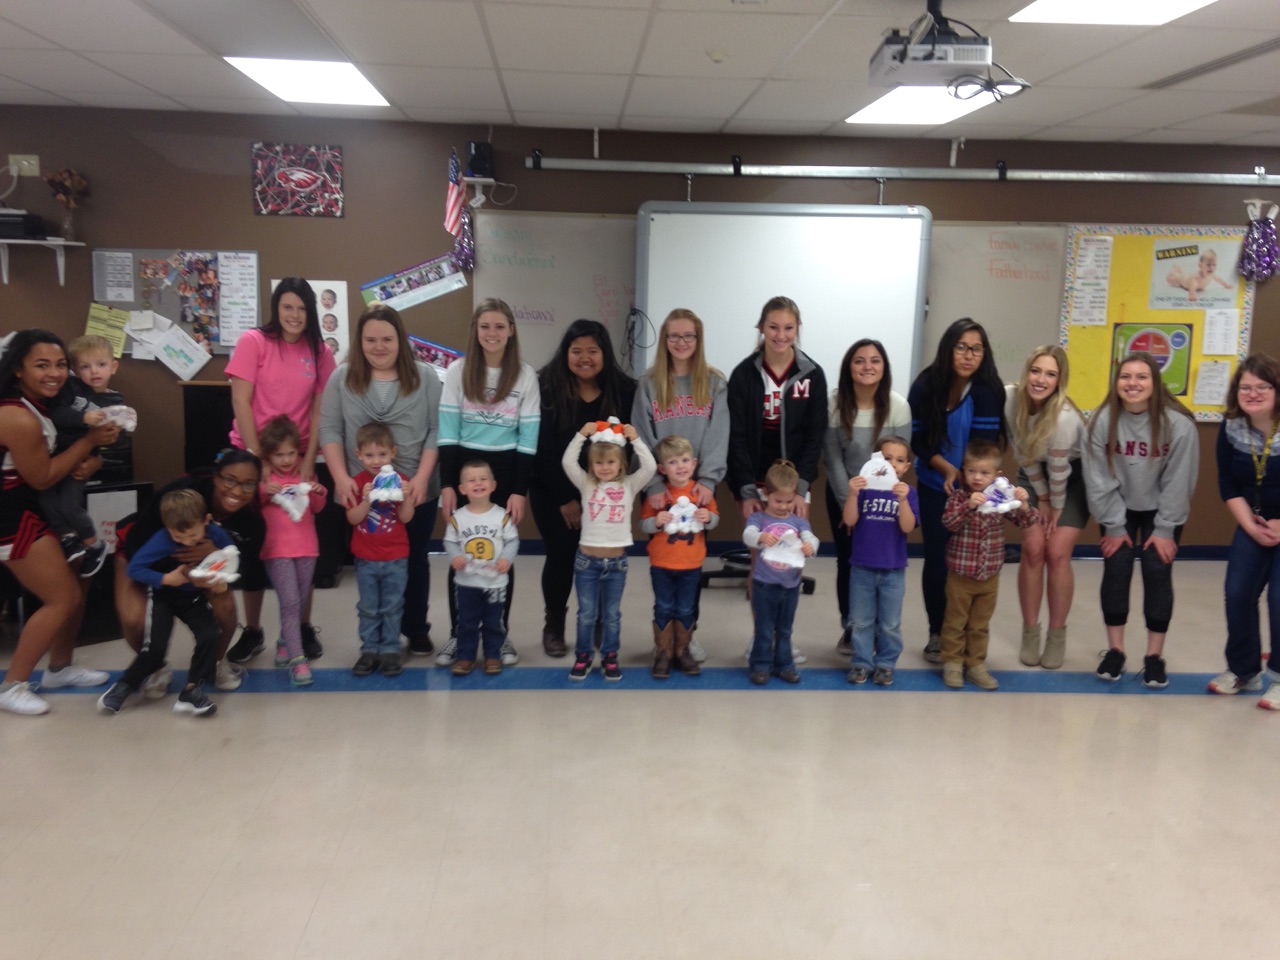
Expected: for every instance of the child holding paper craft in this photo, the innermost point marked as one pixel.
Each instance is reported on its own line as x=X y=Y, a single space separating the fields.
x=784 y=540
x=879 y=511
x=1196 y=283
x=289 y=506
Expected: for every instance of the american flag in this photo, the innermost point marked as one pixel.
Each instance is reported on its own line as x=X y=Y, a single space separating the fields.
x=453 y=199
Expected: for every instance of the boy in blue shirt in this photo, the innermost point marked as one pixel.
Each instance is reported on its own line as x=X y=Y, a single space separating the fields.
x=171 y=595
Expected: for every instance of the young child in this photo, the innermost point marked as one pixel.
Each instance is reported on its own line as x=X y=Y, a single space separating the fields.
x=600 y=568
x=1196 y=283
x=676 y=553
x=77 y=407
x=380 y=544
x=171 y=595
x=975 y=554
x=482 y=542
x=775 y=577
x=291 y=546
x=878 y=522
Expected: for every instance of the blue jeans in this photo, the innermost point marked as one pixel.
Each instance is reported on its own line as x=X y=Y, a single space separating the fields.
x=1251 y=568
x=480 y=614
x=875 y=616
x=599 y=582
x=675 y=595
x=774 y=607
x=381 y=603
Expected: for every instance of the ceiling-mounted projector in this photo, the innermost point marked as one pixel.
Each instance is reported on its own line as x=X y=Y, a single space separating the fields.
x=933 y=62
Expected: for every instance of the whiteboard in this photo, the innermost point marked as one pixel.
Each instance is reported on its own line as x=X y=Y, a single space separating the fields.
x=1006 y=276
x=854 y=271
x=554 y=268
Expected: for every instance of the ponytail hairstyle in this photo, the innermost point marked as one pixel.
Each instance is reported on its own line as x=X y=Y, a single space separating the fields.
x=776 y=303
x=782 y=477
x=1161 y=401
x=13 y=354
x=473 y=366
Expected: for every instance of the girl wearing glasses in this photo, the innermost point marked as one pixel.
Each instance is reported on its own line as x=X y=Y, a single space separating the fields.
x=957 y=398
x=230 y=488
x=682 y=396
x=1248 y=457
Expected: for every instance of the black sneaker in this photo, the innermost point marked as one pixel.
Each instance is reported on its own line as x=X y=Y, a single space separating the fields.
x=312 y=648
x=367 y=663
x=859 y=675
x=581 y=666
x=94 y=558
x=610 y=667
x=195 y=702
x=73 y=547
x=391 y=666
x=251 y=643
x=113 y=700
x=1112 y=665
x=421 y=646
x=1153 y=672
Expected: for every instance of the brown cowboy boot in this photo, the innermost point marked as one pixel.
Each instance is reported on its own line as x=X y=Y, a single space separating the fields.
x=684 y=660
x=662 y=640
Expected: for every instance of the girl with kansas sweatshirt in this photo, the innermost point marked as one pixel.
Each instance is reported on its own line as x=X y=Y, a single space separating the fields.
x=1140 y=463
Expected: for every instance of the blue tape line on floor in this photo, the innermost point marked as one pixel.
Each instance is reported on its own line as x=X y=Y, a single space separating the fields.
x=340 y=680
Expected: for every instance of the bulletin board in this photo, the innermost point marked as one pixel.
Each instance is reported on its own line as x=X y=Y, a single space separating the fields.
x=1173 y=291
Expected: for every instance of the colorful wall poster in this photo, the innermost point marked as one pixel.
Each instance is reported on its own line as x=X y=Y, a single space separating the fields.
x=416 y=284
x=297 y=180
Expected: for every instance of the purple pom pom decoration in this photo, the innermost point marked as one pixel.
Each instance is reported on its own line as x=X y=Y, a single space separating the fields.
x=1260 y=256
x=464 y=248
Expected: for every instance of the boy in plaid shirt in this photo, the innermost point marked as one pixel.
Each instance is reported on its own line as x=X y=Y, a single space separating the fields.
x=975 y=554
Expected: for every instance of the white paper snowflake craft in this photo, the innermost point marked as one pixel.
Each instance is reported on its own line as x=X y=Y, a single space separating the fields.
x=879 y=473
x=609 y=431
x=293 y=500
x=221 y=566
x=386 y=486
x=787 y=552
x=999 y=498
x=126 y=418
x=682 y=518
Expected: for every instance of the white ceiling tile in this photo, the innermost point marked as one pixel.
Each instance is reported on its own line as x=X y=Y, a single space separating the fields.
x=1041 y=106
x=841 y=49
x=1262 y=15
x=679 y=44
x=1167 y=135
x=417 y=33
x=976 y=130
x=1154 y=55
x=570 y=92
x=1088 y=134
x=24 y=95
x=673 y=125
x=348 y=112
x=684 y=97
x=813 y=8
x=438 y=87
x=1259 y=74
x=567 y=121
x=13 y=37
x=1265 y=139
x=804 y=100
x=243 y=105
x=1036 y=52
x=613 y=4
x=179 y=74
x=1239 y=123
x=1158 y=108
x=62 y=72
x=453 y=115
x=796 y=128
x=125 y=101
x=118 y=25
x=566 y=39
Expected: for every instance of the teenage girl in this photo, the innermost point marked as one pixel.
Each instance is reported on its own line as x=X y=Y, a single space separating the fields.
x=863 y=409
x=1045 y=428
x=1140 y=461
x=489 y=410
x=291 y=546
x=957 y=398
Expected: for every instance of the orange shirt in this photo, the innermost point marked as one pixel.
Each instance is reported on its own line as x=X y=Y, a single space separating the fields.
x=676 y=551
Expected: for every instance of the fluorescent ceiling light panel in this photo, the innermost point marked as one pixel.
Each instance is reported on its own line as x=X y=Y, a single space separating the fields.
x=1108 y=12
x=919 y=106
x=311 y=81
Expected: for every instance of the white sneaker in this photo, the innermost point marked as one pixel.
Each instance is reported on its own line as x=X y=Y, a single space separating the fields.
x=509 y=656
x=1227 y=683
x=699 y=654
x=1271 y=699
x=20 y=699
x=73 y=676
x=156 y=686
x=229 y=676
x=448 y=654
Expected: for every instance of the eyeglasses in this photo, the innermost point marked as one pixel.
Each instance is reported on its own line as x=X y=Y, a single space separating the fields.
x=1261 y=390
x=969 y=350
x=246 y=486
x=682 y=338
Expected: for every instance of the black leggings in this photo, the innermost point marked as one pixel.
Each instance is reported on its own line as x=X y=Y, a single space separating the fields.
x=1157 y=576
x=933 y=576
x=561 y=546
x=841 y=535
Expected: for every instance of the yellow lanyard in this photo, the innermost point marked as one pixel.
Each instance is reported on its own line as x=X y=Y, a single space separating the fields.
x=1260 y=462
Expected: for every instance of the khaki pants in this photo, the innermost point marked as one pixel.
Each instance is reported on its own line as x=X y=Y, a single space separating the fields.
x=966 y=624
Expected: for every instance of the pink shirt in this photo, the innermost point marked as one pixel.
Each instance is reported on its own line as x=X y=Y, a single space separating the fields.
x=285 y=536
x=284 y=377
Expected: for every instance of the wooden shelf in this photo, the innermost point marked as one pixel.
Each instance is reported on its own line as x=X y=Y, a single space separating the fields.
x=56 y=244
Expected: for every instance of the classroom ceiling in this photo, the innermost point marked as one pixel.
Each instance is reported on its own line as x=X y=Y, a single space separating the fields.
x=784 y=67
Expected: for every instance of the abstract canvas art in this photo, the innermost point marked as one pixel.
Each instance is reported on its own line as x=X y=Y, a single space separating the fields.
x=297 y=180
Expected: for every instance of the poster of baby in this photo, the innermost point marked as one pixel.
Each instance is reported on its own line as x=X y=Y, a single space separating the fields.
x=1195 y=273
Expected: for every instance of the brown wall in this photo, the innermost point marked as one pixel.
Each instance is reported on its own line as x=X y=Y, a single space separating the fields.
x=163 y=179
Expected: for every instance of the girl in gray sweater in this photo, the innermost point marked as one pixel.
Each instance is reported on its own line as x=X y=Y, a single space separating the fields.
x=1140 y=462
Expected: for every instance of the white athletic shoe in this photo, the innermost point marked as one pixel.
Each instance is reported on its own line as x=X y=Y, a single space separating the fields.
x=19 y=699
x=156 y=686
x=228 y=677
x=73 y=676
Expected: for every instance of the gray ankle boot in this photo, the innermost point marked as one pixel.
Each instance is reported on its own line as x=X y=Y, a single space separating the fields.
x=1055 y=648
x=1030 y=652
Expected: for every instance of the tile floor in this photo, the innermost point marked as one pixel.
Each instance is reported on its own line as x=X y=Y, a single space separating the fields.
x=518 y=817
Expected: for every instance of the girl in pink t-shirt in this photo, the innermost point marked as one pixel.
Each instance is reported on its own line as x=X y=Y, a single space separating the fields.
x=289 y=506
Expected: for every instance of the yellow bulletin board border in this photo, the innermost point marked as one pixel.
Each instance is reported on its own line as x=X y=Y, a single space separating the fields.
x=1091 y=347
